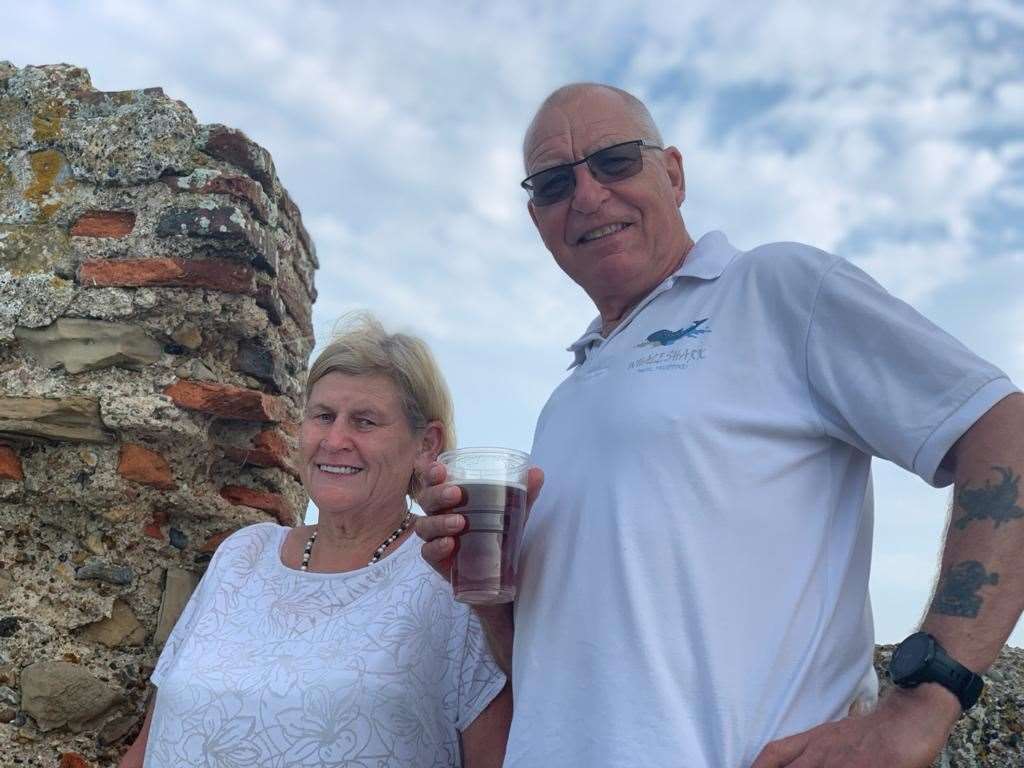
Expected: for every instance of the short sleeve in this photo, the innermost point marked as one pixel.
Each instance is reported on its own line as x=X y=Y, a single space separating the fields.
x=479 y=677
x=888 y=381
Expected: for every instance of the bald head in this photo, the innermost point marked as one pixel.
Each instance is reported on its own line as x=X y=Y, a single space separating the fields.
x=631 y=106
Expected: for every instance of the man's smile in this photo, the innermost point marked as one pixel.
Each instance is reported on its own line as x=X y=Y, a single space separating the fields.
x=603 y=231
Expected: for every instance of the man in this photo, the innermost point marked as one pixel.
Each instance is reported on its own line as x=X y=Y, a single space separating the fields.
x=694 y=575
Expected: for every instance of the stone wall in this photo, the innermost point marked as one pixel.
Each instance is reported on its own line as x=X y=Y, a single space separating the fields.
x=155 y=291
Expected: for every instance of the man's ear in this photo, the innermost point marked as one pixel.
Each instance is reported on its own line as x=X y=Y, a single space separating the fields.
x=674 y=168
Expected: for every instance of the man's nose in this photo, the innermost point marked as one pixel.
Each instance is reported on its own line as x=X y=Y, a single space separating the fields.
x=589 y=193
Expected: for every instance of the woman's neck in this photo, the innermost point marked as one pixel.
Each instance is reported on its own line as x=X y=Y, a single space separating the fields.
x=347 y=540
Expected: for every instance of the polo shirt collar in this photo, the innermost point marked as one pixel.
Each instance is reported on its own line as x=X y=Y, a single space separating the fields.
x=706 y=261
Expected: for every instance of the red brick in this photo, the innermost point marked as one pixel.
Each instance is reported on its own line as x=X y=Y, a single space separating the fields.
x=142 y=465
x=104 y=224
x=73 y=760
x=154 y=528
x=10 y=464
x=263 y=500
x=226 y=401
x=233 y=146
x=239 y=187
x=211 y=544
x=296 y=306
x=215 y=274
x=270 y=448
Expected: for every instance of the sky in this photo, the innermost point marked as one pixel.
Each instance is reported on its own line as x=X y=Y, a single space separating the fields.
x=891 y=133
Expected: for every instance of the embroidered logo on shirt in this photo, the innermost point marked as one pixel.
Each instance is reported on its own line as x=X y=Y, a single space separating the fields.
x=665 y=337
x=679 y=358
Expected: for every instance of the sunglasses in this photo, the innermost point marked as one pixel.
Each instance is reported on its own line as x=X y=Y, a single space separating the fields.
x=614 y=163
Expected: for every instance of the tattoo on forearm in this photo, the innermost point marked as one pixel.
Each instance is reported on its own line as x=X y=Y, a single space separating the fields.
x=997 y=502
x=957 y=594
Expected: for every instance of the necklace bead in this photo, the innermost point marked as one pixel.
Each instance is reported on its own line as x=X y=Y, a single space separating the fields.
x=378 y=553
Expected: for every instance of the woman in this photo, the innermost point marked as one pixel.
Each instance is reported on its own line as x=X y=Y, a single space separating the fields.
x=336 y=644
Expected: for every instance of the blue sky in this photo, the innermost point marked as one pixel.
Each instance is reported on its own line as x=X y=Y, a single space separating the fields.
x=888 y=132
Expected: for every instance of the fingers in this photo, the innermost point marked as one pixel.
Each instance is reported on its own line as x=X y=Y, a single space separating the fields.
x=534 y=482
x=777 y=754
x=438 y=534
x=437 y=496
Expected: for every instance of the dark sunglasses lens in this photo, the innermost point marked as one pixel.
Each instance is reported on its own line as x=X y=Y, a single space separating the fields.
x=616 y=163
x=552 y=186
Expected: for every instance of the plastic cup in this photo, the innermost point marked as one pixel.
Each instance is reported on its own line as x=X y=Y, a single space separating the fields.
x=493 y=483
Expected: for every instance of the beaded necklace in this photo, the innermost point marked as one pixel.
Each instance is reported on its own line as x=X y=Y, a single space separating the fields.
x=378 y=553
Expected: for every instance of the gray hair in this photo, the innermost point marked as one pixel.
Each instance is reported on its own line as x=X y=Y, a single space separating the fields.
x=361 y=346
x=634 y=108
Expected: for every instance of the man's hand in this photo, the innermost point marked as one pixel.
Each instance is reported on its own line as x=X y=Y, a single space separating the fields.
x=907 y=730
x=440 y=527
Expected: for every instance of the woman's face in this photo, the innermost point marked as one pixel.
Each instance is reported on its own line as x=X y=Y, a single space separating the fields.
x=357 y=451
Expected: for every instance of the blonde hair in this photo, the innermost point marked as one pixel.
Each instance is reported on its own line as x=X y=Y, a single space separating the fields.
x=360 y=346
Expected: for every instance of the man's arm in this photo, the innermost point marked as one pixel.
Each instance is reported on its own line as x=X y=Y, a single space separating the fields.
x=484 y=740
x=979 y=597
x=438 y=530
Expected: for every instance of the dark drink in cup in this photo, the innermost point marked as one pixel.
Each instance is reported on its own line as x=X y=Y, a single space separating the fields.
x=484 y=567
x=493 y=483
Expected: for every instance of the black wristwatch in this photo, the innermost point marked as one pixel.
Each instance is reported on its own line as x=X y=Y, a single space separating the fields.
x=920 y=659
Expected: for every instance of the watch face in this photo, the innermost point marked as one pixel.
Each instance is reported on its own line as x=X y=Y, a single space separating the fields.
x=910 y=656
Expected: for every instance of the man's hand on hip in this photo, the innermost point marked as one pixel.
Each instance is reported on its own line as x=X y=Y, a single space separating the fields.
x=908 y=729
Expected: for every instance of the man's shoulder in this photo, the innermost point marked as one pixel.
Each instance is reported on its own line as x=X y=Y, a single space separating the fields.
x=789 y=266
x=785 y=256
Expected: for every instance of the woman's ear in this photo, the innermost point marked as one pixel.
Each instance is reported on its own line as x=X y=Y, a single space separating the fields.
x=431 y=442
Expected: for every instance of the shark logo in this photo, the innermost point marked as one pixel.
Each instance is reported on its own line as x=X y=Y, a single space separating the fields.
x=665 y=337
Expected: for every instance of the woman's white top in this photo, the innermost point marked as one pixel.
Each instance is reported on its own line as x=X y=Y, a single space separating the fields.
x=270 y=667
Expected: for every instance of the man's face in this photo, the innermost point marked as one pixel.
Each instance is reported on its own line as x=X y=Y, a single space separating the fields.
x=616 y=240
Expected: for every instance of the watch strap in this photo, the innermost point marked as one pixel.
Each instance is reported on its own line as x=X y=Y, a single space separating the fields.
x=948 y=672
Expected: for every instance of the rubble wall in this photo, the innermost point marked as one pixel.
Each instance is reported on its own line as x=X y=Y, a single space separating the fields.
x=156 y=285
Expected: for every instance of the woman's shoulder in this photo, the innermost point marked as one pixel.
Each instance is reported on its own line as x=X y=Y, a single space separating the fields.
x=250 y=540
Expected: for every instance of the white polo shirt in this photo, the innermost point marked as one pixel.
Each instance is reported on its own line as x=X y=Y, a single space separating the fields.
x=695 y=571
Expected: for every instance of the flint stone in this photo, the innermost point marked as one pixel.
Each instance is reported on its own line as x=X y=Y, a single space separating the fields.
x=223 y=223
x=8 y=695
x=120 y=629
x=177 y=539
x=57 y=693
x=76 y=419
x=178 y=587
x=258 y=361
x=97 y=570
x=115 y=730
x=86 y=345
x=8 y=626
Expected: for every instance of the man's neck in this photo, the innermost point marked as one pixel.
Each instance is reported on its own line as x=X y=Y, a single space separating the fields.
x=615 y=311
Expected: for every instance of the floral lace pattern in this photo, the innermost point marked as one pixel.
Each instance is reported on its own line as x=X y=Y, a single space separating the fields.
x=273 y=667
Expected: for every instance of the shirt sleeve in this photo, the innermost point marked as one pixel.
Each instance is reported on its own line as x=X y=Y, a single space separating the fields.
x=479 y=677
x=888 y=381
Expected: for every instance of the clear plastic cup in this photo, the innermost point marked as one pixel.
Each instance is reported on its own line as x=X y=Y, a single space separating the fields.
x=493 y=483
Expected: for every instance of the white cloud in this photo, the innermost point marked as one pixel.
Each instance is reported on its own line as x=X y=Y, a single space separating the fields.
x=891 y=132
